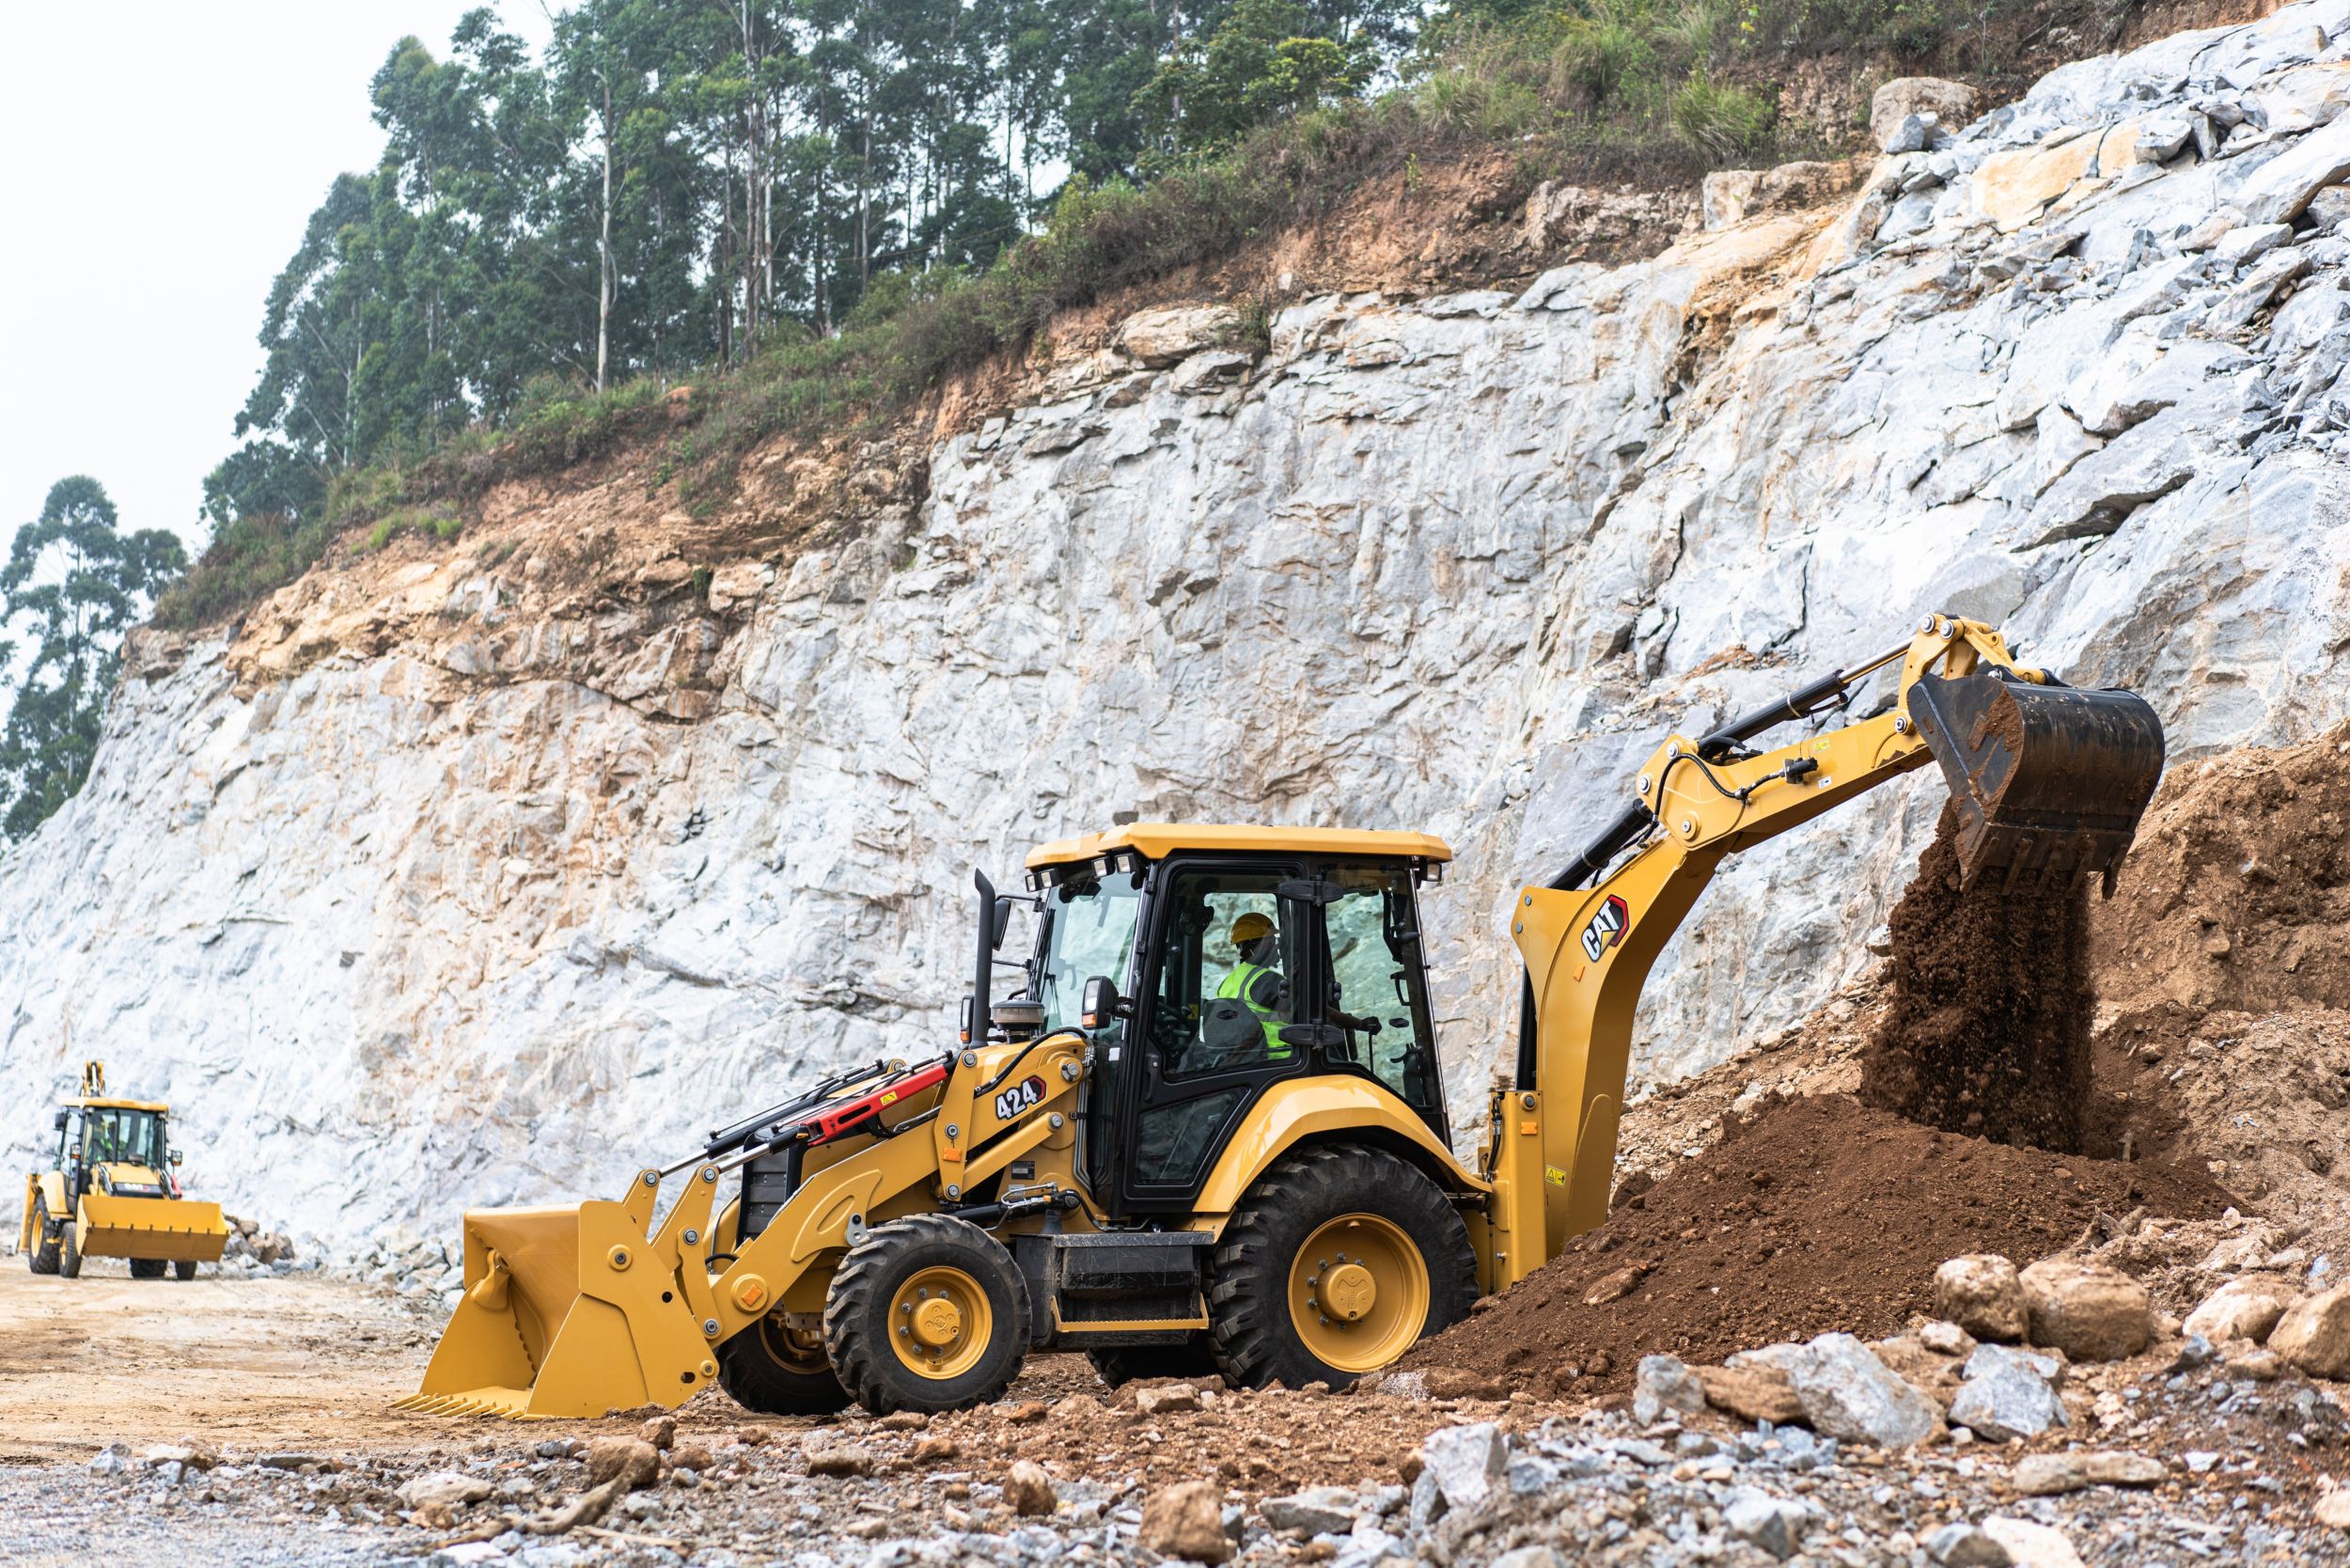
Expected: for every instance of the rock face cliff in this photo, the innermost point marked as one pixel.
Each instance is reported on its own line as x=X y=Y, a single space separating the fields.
x=435 y=885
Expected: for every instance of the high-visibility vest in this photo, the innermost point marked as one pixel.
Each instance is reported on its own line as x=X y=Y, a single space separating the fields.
x=1259 y=988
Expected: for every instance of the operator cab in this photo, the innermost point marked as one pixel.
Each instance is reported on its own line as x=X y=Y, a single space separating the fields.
x=120 y=1147
x=1223 y=961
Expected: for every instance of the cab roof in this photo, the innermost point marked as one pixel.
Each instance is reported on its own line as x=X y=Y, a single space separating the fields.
x=1157 y=840
x=121 y=1105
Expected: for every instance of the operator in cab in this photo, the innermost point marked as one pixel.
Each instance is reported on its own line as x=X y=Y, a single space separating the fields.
x=1257 y=982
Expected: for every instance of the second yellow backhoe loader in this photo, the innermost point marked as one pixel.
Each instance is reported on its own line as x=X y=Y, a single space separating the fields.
x=1209 y=1131
x=115 y=1192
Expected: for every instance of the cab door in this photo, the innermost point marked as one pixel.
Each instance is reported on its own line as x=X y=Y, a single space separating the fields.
x=1212 y=1027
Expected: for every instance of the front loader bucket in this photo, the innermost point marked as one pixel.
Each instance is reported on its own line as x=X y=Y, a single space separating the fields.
x=567 y=1311
x=151 y=1227
x=2049 y=781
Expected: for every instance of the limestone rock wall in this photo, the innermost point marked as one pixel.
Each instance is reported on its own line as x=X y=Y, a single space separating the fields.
x=504 y=897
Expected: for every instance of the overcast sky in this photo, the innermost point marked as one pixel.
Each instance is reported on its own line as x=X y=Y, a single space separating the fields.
x=157 y=162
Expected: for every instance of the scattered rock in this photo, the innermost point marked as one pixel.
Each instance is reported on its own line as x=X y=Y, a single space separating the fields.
x=2334 y=1508
x=1946 y=1338
x=1029 y=1490
x=1847 y=1392
x=2031 y=1546
x=448 y=1489
x=2006 y=1399
x=661 y=1432
x=2314 y=1334
x=2090 y=1312
x=1751 y=1393
x=1465 y=1462
x=1186 y=1521
x=631 y=1461
x=935 y=1449
x=2045 y=1475
x=1981 y=1294
x=2243 y=1311
x=1028 y=1412
x=1662 y=1385
x=191 y=1456
x=1775 y=1525
x=1907 y=97
x=1613 y=1286
x=1167 y=1399
x=847 y=1460
x=1964 y=1546
x=692 y=1456
x=1316 y=1511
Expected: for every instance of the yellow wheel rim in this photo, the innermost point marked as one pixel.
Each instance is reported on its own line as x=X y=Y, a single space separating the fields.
x=1358 y=1292
x=940 y=1323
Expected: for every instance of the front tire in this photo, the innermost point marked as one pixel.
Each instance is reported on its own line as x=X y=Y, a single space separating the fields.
x=926 y=1314
x=183 y=1267
x=42 y=1258
x=1338 y=1261
x=69 y=1250
x=769 y=1369
x=147 y=1269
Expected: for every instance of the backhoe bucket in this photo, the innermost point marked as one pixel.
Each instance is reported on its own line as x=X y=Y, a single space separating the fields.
x=2049 y=781
x=567 y=1311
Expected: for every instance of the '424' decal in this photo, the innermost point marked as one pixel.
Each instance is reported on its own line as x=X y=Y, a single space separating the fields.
x=1019 y=1097
x=1607 y=928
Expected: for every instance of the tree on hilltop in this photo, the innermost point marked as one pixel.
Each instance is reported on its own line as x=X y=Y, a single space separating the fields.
x=76 y=583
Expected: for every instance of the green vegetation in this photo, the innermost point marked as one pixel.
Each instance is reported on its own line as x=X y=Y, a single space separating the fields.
x=74 y=583
x=815 y=213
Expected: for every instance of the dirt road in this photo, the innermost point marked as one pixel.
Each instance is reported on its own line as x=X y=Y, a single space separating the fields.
x=294 y=1362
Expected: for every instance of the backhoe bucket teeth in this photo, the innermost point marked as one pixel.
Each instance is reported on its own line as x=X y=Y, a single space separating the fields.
x=566 y=1313
x=2049 y=781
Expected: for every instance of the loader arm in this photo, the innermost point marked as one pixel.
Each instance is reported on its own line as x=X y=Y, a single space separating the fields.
x=1588 y=950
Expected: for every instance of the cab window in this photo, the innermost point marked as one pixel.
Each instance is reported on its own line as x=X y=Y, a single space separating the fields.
x=1224 y=993
x=1378 y=999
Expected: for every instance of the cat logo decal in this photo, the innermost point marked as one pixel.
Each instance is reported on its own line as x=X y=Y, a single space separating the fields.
x=1607 y=928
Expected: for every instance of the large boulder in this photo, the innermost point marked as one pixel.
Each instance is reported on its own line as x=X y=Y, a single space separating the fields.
x=2313 y=1336
x=2090 y=1312
x=2246 y=1308
x=2008 y=1396
x=1983 y=1295
x=1847 y=1392
x=1752 y=1393
x=1951 y=103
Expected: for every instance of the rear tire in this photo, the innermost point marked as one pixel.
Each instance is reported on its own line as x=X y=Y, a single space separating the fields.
x=926 y=1314
x=147 y=1269
x=766 y=1370
x=1276 y=1297
x=69 y=1250
x=42 y=1258
x=183 y=1267
x=1194 y=1358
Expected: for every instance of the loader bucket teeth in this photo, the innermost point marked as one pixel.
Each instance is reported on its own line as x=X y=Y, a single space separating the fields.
x=2049 y=781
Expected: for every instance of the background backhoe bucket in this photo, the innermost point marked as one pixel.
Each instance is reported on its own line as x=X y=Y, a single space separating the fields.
x=174 y=1228
x=2049 y=781
x=563 y=1315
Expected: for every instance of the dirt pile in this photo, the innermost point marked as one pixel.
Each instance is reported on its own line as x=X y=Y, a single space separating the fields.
x=1810 y=1215
x=1988 y=1030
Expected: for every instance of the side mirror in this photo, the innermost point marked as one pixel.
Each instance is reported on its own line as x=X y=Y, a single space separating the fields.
x=58 y=1126
x=174 y=1156
x=1100 y=1003
x=1002 y=922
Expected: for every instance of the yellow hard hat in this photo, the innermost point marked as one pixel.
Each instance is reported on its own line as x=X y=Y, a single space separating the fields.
x=1249 y=927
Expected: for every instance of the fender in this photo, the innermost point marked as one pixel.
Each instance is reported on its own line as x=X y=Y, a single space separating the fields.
x=1300 y=1111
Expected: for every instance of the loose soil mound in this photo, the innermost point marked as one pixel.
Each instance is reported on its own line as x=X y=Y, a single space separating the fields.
x=1988 y=1031
x=1811 y=1216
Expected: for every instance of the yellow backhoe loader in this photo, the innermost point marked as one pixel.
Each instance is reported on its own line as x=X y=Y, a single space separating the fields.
x=116 y=1193
x=1209 y=1131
